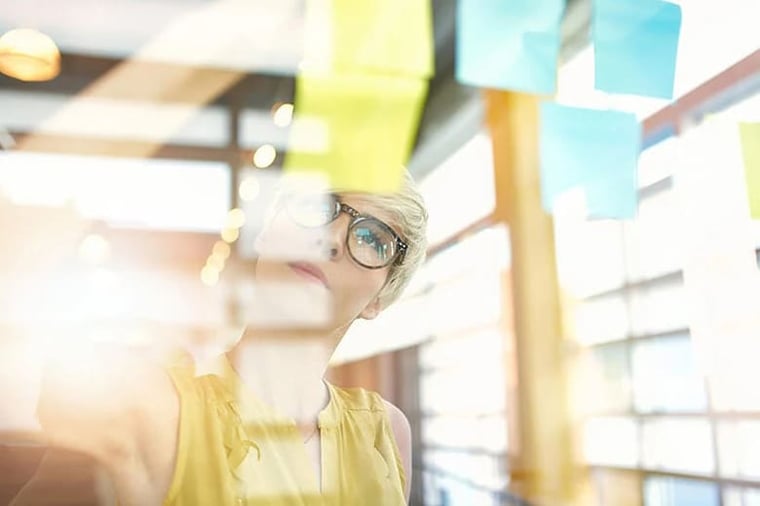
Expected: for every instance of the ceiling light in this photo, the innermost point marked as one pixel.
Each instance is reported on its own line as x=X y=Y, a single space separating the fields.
x=94 y=249
x=209 y=275
x=235 y=218
x=264 y=156
x=221 y=249
x=249 y=189
x=230 y=234
x=215 y=262
x=29 y=55
x=283 y=115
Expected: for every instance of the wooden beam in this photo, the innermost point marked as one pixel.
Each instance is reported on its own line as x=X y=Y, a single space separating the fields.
x=541 y=458
x=79 y=72
x=122 y=148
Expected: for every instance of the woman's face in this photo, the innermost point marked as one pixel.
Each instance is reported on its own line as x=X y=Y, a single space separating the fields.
x=313 y=270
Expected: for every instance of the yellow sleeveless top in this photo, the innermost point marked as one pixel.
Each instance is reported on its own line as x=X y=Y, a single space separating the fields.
x=222 y=460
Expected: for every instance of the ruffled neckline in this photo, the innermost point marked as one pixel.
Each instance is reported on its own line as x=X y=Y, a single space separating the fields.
x=236 y=389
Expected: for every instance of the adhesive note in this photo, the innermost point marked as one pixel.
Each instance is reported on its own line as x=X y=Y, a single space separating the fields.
x=509 y=44
x=635 y=46
x=366 y=124
x=388 y=37
x=594 y=151
x=750 y=140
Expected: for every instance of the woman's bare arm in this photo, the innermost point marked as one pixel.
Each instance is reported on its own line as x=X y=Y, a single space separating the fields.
x=403 y=434
x=62 y=477
x=102 y=410
x=88 y=401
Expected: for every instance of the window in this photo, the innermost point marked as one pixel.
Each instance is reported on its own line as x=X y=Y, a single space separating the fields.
x=452 y=205
x=611 y=441
x=662 y=311
x=463 y=383
x=665 y=491
x=106 y=118
x=666 y=376
x=139 y=193
x=681 y=444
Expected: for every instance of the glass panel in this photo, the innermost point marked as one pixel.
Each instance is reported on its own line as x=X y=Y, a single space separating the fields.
x=699 y=57
x=740 y=496
x=653 y=243
x=473 y=390
x=140 y=193
x=617 y=488
x=452 y=492
x=601 y=319
x=257 y=128
x=678 y=444
x=107 y=118
x=450 y=211
x=490 y=246
x=589 y=255
x=430 y=488
x=575 y=86
x=465 y=303
x=611 y=441
x=739 y=449
x=403 y=324
x=731 y=353
x=603 y=380
x=664 y=491
x=666 y=376
x=658 y=162
x=475 y=347
x=659 y=307
x=486 y=433
x=486 y=471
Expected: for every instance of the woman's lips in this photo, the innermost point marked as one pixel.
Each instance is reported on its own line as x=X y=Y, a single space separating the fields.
x=309 y=271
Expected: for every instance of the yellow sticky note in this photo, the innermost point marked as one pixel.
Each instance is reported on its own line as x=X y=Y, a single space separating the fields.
x=376 y=36
x=750 y=140
x=357 y=130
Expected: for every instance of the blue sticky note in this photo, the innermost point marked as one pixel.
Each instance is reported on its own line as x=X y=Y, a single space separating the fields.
x=509 y=44
x=635 y=46
x=596 y=151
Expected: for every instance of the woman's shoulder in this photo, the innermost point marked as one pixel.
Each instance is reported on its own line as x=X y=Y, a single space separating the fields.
x=357 y=398
x=361 y=399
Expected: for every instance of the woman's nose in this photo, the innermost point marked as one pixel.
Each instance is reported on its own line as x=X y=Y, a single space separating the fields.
x=333 y=239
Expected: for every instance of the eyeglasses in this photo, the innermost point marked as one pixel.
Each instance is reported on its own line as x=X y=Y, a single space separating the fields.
x=370 y=242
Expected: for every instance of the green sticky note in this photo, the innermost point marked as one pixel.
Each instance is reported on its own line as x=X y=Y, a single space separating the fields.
x=356 y=130
x=387 y=37
x=750 y=140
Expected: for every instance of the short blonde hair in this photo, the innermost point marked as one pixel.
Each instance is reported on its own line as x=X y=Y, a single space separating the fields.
x=409 y=216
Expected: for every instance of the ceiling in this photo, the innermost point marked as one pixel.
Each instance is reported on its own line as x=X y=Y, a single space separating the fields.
x=208 y=56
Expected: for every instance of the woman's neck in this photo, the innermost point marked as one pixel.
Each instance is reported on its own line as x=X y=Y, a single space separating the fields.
x=285 y=370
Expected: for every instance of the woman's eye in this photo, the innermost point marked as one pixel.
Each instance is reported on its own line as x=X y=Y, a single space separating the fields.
x=370 y=239
x=366 y=236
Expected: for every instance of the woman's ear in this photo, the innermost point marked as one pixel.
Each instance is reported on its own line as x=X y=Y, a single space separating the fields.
x=372 y=310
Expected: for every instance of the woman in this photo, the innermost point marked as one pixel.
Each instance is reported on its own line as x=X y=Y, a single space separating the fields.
x=258 y=424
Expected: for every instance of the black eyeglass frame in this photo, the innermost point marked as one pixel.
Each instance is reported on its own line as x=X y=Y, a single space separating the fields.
x=356 y=218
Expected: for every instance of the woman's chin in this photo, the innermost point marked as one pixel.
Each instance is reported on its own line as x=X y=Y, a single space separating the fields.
x=283 y=305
